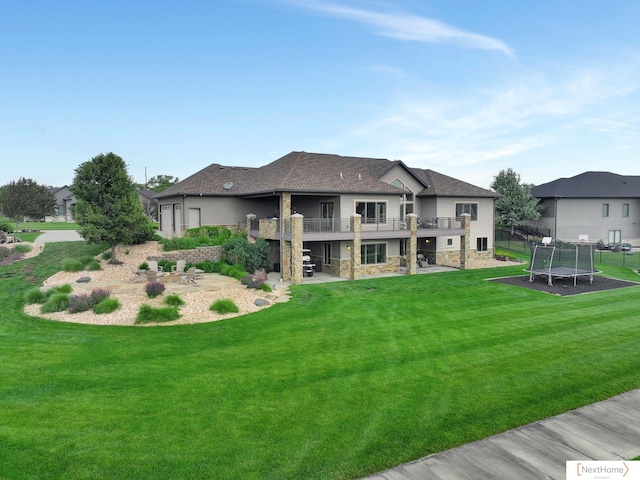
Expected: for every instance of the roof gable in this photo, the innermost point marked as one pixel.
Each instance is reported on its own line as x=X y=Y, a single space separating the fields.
x=444 y=186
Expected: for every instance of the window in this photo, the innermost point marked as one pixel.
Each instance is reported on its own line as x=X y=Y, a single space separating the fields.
x=625 y=209
x=403 y=247
x=449 y=242
x=605 y=209
x=482 y=244
x=373 y=253
x=470 y=208
x=372 y=212
x=615 y=236
x=326 y=253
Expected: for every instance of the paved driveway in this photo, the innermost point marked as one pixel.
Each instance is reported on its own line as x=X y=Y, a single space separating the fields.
x=58 y=236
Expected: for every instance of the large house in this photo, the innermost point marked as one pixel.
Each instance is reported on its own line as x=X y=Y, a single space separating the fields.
x=590 y=207
x=352 y=215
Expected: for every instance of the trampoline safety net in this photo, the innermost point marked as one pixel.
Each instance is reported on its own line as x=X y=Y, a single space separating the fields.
x=566 y=261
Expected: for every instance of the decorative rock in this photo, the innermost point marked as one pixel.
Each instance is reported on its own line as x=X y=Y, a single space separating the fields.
x=261 y=302
x=83 y=280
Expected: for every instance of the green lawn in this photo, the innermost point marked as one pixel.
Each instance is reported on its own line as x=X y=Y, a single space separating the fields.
x=47 y=225
x=346 y=379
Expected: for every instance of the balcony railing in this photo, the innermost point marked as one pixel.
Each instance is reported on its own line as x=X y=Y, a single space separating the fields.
x=343 y=225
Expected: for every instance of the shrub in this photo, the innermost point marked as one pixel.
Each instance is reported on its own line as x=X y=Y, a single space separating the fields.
x=21 y=248
x=99 y=294
x=106 y=255
x=66 y=288
x=148 y=314
x=224 y=305
x=80 y=303
x=166 y=264
x=256 y=282
x=174 y=300
x=93 y=265
x=6 y=226
x=35 y=295
x=72 y=265
x=266 y=288
x=107 y=305
x=154 y=289
x=252 y=256
x=58 y=302
x=143 y=266
x=4 y=253
x=179 y=243
x=207 y=266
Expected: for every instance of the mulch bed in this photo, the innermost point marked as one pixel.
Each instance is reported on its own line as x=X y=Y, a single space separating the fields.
x=564 y=286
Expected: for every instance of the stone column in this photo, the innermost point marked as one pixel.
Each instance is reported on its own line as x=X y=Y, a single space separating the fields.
x=465 y=242
x=412 y=248
x=285 y=246
x=355 y=263
x=250 y=218
x=296 y=248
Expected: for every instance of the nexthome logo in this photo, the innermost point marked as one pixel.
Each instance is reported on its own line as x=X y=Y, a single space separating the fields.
x=594 y=470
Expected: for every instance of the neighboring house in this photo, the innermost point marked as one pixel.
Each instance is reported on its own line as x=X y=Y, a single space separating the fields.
x=355 y=215
x=149 y=203
x=64 y=201
x=590 y=207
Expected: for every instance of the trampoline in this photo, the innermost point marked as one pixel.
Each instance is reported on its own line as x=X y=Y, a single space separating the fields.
x=565 y=261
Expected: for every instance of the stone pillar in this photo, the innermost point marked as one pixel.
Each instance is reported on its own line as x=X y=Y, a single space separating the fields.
x=285 y=246
x=412 y=248
x=296 y=248
x=465 y=242
x=250 y=218
x=355 y=264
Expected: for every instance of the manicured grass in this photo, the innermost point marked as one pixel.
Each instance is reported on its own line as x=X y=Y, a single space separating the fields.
x=47 y=226
x=346 y=379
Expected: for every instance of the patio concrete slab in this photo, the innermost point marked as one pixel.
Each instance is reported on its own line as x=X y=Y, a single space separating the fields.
x=607 y=430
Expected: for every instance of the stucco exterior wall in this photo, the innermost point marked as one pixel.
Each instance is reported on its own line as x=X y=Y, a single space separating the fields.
x=576 y=217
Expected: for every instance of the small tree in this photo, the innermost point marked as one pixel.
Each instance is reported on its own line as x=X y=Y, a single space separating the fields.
x=26 y=198
x=160 y=183
x=516 y=203
x=107 y=205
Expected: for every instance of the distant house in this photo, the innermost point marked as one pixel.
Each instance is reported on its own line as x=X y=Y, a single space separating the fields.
x=64 y=202
x=590 y=207
x=353 y=215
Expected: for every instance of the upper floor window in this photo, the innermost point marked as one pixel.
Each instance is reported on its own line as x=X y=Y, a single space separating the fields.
x=605 y=209
x=372 y=212
x=625 y=209
x=470 y=208
x=406 y=200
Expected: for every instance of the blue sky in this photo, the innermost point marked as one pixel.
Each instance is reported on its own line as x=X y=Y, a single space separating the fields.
x=466 y=88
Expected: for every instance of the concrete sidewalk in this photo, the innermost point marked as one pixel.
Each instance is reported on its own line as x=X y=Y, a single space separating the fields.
x=58 y=236
x=607 y=430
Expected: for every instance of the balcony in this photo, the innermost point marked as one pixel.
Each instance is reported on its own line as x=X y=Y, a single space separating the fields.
x=327 y=229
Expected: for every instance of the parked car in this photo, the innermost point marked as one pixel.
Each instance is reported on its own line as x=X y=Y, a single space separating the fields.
x=620 y=247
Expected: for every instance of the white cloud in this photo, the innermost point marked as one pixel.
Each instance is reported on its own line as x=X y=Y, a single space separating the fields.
x=407 y=27
x=482 y=126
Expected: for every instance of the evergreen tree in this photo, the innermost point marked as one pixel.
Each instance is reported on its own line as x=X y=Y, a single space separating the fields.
x=516 y=204
x=108 y=208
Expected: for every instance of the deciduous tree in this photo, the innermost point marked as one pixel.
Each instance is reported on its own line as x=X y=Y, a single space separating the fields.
x=516 y=204
x=25 y=198
x=107 y=205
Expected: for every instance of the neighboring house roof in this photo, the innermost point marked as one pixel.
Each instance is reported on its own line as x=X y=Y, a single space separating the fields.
x=590 y=185
x=147 y=194
x=444 y=186
x=316 y=173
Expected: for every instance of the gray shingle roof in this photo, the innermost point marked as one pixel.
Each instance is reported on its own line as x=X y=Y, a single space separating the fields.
x=211 y=180
x=590 y=185
x=444 y=186
x=315 y=173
